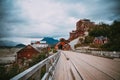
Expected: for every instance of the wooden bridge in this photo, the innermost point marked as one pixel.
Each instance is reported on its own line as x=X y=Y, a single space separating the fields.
x=68 y=65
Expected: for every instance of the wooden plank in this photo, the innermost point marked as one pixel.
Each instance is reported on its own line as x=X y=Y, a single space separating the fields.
x=89 y=72
x=62 y=71
x=107 y=66
x=94 y=62
x=88 y=67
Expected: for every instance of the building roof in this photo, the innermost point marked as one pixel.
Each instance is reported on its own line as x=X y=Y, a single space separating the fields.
x=28 y=47
x=101 y=37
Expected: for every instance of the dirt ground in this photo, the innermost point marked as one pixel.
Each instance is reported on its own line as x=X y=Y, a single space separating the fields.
x=8 y=51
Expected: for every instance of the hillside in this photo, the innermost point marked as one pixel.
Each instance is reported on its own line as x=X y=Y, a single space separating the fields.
x=73 y=42
x=20 y=45
x=50 y=40
x=7 y=43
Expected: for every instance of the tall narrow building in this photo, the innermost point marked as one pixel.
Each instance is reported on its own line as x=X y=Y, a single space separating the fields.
x=82 y=28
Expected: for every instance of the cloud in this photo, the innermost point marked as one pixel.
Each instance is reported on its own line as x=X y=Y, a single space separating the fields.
x=38 y=18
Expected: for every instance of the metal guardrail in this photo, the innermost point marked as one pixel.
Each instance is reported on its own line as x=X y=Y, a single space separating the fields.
x=111 y=54
x=34 y=72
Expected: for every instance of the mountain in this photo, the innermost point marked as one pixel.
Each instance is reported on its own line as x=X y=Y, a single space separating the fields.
x=20 y=45
x=8 y=43
x=50 y=40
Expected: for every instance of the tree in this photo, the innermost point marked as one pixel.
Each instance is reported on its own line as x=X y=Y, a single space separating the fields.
x=114 y=37
x=100 y=30
x=88 y=39
x=13 y=70
x=8 y=72
x=2 y=72
x=37 y=59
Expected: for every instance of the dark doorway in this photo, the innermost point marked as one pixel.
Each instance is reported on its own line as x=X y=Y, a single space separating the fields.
x=60 y=46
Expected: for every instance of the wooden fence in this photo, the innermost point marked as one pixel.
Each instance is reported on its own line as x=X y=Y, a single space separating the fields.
x=112 y=54
x=34 y=72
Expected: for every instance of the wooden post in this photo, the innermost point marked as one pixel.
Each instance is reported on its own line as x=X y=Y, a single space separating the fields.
x=47 y=68
x=38 y=75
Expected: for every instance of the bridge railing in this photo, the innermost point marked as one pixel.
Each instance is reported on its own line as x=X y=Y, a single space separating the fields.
x=112 y=54
x=34 y=72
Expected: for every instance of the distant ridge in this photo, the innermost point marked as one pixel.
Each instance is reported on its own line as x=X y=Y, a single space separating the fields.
x=7 y=43
x=50 y=40
x=20 y=45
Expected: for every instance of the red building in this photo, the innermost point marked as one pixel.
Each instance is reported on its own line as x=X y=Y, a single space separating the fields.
x=100 y=40
x=82 y=26
x=28 y=52
x=63 y=45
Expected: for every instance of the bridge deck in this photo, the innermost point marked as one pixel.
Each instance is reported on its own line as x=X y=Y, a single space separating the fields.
x=76 y=66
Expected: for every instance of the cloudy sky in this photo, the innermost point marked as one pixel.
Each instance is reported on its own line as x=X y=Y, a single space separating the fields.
x=54 y=18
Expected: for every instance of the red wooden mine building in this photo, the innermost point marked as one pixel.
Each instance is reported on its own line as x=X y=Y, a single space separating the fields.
x=28 y=52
